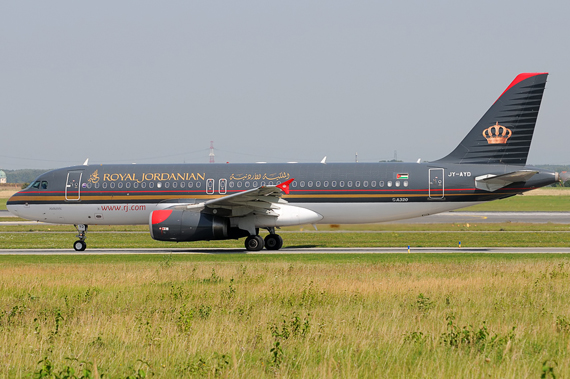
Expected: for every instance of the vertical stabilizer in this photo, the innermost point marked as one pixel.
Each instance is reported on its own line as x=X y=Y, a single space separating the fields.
x=504 y=133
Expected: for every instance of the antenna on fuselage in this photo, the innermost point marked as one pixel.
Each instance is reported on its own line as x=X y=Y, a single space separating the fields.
x=324 y=161
x=86 y=163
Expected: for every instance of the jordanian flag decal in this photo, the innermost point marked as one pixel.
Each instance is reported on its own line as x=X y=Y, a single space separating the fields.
x=402 y=176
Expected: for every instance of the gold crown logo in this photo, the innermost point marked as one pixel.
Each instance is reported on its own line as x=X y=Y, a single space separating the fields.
x=497 y=134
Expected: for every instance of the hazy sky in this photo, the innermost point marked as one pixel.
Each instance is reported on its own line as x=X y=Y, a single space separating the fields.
x=275 y=81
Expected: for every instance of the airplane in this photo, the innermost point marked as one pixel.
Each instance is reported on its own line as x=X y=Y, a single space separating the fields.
x=196 y=202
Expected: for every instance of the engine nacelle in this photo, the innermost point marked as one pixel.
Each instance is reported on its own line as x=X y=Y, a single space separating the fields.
x=184 y=225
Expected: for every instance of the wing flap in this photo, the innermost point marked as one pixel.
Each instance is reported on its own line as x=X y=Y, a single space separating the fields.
x=262 y=199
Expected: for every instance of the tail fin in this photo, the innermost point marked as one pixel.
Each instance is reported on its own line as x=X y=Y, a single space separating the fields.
x=504 y=133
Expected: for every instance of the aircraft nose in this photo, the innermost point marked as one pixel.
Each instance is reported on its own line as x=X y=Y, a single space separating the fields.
x=10 y=204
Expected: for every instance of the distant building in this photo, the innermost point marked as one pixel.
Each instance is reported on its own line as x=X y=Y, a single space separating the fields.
x=2 y=177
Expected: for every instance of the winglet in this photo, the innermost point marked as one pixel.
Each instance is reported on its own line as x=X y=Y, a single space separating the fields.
x=285 y=186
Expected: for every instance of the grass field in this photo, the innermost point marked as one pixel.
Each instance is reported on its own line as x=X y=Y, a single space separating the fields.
x=392 y=316
x=106 y=240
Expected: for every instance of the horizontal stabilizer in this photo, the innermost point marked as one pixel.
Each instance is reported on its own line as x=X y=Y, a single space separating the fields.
x=492 y=182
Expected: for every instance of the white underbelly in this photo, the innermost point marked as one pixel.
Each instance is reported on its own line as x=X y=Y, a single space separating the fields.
x=138 y=214
x=362 y=213
x=89 y=214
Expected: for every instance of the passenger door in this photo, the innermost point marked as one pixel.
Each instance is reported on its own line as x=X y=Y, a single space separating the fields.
x=436 y=184
x=73 y=185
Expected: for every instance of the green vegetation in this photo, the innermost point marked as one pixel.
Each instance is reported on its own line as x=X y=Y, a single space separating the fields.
x=524 y=204
x=106 y=240
x=314 y=315
x=3 y=204
x=22 y=176
x=44 y=236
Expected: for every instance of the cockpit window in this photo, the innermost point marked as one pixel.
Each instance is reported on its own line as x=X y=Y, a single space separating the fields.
x=39 y=184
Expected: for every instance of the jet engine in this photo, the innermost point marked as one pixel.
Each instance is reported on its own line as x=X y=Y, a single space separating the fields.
x=183 y=225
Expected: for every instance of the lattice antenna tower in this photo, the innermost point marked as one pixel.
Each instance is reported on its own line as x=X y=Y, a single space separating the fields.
x=212 y=155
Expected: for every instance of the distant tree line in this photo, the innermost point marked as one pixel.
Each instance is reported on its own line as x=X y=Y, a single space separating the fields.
x=22 y=176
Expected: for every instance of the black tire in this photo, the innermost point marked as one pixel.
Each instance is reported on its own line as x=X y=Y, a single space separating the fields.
x=273 y=242
x=254 y=243
x=79 y=245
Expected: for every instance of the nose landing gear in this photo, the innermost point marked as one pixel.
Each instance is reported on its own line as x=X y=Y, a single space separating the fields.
x=80 y=244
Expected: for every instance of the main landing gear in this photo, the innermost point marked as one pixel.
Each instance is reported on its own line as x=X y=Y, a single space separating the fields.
x=80 y=245
x=256 y=242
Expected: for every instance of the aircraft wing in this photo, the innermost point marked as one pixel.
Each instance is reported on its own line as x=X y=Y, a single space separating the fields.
x=491 y=182
x=259 y=199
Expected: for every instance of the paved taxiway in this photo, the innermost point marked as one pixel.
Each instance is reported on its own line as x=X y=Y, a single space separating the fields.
x=293 y=250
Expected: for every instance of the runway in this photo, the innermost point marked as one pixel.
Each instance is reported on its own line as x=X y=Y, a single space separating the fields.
x=294 y=250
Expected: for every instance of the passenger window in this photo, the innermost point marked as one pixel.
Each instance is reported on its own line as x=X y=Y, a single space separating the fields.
x=310 y=183
x=151 y=185
x=175 y=184
x=182 y=184
x=397 y=183
x=341 y=183
x=44 y=184
x=334 y=183
x=166 y=185
x=317 y=184
x=389 y=184
x=120 y=185
x=372 y=183
x=302 y=184
x=247 y=184
x=190 y=184
x=198 y=184
x=365 y=183
x=349 y=183
x=294 y=184
x=326 y=184
x=136 y=184
x=357 y=184
x=381 y=183
x=239 y=185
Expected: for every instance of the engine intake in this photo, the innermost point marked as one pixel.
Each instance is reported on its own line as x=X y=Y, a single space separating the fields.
x=182 y=225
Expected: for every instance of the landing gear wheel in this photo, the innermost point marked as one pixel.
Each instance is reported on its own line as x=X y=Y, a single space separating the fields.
x=254 y=243
x=79 y=245
x=273 y=242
